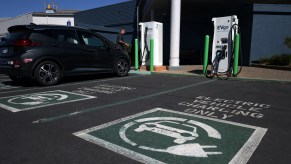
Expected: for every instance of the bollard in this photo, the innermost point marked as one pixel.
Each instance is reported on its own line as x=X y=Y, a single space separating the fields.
x=136 y=54
x=152 y=55
x=236 y=54
x=206 y=51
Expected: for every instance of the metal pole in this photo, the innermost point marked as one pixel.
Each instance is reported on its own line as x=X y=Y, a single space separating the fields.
x=137 y=22
x=136 y=53
x=152 y=55
x=206 y=51
x=236 y=54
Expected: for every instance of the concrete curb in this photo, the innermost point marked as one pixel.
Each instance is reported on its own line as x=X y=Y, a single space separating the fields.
x=284 y=68
x=202 y=76
x=140 y=72
x=231 y=78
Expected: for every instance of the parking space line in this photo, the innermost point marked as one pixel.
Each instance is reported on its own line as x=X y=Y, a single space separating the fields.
x=65 y=85
x=4 y=79
x=49 y=119
x=5 y=86
x=11 y=106
x=120 y=150
x=249 y=147
x=242 y=155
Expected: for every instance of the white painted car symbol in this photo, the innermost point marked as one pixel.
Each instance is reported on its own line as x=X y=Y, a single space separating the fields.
x=181 y=136
x=37 y=99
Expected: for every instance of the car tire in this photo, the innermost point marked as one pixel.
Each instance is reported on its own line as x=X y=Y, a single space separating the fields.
x=47 y=73
x=122 y=67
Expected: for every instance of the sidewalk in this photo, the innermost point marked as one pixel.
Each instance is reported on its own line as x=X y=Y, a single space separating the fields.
x=246 y=73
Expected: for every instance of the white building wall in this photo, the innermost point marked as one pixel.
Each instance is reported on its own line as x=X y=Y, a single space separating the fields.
x=20 y=20
x=28 y=18
x=53 y=20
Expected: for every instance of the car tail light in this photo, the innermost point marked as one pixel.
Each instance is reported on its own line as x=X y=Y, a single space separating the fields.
x=27 y=60
x=26 y=42
x=16 y=63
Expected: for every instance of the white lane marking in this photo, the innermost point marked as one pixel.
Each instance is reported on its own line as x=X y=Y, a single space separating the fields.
x=65 y=85
x=5 y=79
x=114 y=122
x=13 y=109
x=118 y=149
x=43 y=120
x=5 y=86
x=249 y=147
x=161 y=118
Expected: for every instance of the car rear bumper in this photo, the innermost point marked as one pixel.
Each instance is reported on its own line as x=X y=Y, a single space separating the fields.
x=9 y=70
x=12 y=69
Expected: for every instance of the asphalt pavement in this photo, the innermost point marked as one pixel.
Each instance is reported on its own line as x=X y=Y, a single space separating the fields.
x=158 y=118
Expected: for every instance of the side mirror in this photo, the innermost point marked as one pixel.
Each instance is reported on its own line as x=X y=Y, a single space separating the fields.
x=3 y=39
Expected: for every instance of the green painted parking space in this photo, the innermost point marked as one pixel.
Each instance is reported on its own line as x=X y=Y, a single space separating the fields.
x=166 y=136
x=42 y=99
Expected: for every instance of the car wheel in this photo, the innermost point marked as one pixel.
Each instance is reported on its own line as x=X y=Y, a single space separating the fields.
x=47 y=73
x=122 y=67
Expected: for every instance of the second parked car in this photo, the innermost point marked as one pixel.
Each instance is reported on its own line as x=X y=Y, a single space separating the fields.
x=48 y=53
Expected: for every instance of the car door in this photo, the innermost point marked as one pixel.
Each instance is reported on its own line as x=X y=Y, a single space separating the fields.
x=98 y=47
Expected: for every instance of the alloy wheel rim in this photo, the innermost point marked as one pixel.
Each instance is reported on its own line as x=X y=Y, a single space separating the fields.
x=122 y=67
x=48 y=73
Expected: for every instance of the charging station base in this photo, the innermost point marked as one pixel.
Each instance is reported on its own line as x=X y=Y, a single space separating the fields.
x=174 y=68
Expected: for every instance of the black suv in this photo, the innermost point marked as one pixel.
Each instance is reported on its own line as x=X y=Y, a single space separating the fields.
x=47 y=53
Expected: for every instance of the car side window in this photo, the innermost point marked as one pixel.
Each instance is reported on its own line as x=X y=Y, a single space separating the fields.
x=66 y=36
x=41 y=35
x=92 y=40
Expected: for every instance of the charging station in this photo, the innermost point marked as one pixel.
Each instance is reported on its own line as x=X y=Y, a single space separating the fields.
x=151 y=30
x=222 y=48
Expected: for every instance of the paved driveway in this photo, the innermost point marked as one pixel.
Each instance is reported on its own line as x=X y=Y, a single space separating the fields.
x=145 y=118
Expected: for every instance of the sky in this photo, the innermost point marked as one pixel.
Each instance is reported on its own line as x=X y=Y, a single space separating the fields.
x=13 y=8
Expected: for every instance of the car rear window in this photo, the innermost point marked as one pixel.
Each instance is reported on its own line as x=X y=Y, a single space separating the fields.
x=16 y=35
x=54 y=35
x=41 y=35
